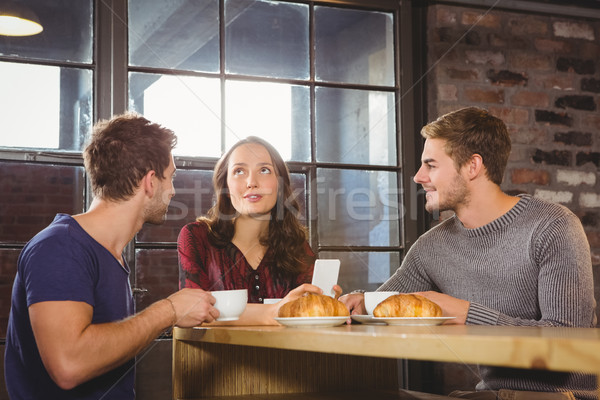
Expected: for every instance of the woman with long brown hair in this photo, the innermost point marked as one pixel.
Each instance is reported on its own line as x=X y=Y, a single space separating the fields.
x=252 y=237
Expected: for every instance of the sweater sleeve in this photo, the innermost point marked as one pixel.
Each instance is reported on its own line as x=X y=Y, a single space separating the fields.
x=410 y=277
x=565 y=282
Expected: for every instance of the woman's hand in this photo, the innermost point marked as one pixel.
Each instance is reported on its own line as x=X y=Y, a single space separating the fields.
x=299 y=292
x=338 y=291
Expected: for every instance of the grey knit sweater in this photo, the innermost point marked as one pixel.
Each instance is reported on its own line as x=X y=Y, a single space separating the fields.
x=530 y=267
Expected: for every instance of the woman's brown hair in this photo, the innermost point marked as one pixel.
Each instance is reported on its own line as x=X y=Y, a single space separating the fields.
x=286 y=237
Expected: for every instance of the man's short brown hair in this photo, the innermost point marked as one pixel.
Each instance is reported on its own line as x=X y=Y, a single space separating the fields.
x=471 y=131
x=124 y=149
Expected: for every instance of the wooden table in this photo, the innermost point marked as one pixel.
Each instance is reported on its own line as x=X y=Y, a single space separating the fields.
x=263 y=360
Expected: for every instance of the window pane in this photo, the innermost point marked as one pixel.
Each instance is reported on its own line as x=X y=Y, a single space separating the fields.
x=354 y=46
x=59 y=98
x=178 y=34
x=278 y=113
x=363 y=270
x=266 y=38
x=157 y=271
x=355 y=126
x=32 y=194
x=67 y=34
x=190 y=106
x=357 y=208
x=193 y=197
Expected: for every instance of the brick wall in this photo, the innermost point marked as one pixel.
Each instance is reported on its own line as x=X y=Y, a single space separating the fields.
x=541 y=75
x=32 y=194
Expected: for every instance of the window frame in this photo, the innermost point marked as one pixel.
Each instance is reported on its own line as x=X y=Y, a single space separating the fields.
x=110 y=96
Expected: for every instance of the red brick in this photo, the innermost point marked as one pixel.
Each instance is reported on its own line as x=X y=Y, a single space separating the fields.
x=524 y=175
x=561 y=82
x=528 y=26
x=592 y=121
x=462 y=74
x=552 y=46
x=593 y=238
x=589 y=49
x=497 y=40
x=445 y=108
x=512 y=42
x=530 y=99
x=595 y=259
x=484 y=96
x=480 y=19
x=529 y=135
x=449 y=57
x=447 y=92
x=527 y=60
x=444 y=16
x=495 y=58
x=517 y=116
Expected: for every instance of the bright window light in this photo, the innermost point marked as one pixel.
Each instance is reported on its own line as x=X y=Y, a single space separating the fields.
x=29 y=116
x=191 y=107
x=260 y=109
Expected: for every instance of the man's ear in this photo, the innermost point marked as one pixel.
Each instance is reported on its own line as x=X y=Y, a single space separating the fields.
x=475 y=166
x=148 y=183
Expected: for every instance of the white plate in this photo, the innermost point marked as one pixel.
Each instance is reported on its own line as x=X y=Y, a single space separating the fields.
x=412 y=320
x=311 y=321
x=367 y=319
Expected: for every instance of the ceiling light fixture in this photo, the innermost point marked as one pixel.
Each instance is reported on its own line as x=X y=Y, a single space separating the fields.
x=18 y=20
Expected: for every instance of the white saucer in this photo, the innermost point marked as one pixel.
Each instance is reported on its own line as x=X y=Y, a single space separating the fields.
x=367 y=319
x=320 y=322
x=412 y=321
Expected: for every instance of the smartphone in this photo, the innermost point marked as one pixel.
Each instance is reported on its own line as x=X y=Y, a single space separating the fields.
x=325 y=275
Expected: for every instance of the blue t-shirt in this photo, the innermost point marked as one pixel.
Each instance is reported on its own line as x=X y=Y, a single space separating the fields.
x=64 y=263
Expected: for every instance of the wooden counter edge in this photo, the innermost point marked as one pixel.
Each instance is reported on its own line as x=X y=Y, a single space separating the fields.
x=559 y=349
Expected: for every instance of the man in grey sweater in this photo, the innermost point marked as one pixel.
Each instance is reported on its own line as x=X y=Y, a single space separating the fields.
x=500 y=260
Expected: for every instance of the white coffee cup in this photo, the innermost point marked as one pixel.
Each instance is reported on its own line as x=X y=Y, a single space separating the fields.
x=230 y=303
x=372 y=299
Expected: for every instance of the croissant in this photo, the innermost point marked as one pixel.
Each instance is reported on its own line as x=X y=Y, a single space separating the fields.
x=314 y=305
x=407 y=305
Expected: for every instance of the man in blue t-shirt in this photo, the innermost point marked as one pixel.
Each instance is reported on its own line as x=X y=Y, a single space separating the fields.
x=71 y=332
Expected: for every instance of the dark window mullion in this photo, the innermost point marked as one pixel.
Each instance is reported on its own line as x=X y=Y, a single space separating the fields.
x=111 y=59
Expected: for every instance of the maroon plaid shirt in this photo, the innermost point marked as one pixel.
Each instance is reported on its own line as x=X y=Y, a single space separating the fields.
x=204 y=266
